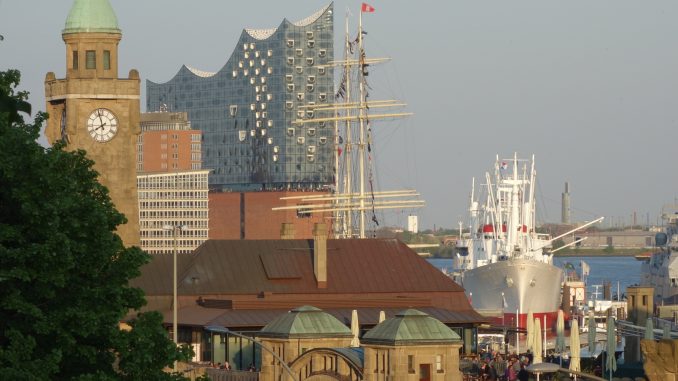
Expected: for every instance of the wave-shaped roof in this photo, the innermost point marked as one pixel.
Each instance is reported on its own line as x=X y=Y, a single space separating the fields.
x=262 y=34
x=200 y=73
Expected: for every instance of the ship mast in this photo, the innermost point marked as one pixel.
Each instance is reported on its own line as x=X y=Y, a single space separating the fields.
x=351 y=200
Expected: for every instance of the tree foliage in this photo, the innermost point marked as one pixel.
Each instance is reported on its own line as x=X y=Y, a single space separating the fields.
x=63 y=271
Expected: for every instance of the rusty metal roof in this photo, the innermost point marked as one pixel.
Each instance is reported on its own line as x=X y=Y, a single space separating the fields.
x=286 y=266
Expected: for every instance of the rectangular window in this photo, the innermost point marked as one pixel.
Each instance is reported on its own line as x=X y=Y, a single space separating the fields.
x=90 y=59
x=107 y=60
x=439 y=363
x=75 y=60
x=410 y=364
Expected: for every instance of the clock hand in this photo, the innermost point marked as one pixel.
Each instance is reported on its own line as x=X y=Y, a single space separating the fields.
x=102 y=126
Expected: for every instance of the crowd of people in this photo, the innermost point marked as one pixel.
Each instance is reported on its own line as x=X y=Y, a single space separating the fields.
x=493 y=366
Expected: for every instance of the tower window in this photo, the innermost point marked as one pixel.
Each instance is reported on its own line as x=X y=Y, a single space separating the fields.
x=75 y=59
x=91 y=59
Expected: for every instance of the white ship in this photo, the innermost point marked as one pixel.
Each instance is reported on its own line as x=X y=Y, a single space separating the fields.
x=661 y=269
x=505 y=265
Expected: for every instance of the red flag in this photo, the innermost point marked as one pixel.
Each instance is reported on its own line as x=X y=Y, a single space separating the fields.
x=367 y=8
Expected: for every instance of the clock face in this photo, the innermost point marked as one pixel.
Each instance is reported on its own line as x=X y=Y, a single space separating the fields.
x=102 y=125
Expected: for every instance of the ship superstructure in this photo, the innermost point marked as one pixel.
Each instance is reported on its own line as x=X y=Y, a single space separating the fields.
x=506 y=265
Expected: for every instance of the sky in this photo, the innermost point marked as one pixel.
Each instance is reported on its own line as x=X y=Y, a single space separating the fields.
x=588 y=87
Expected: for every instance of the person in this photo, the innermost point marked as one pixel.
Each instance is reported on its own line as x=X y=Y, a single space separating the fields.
x=499 y=366
x=491 y=372
x=511 y=374
x=523 y=375
x=252 y=368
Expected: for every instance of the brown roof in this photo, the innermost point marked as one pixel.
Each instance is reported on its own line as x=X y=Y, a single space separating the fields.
x=246 y=283
x=286 y=266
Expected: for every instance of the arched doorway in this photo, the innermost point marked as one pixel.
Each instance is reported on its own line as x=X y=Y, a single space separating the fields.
x=328 y=364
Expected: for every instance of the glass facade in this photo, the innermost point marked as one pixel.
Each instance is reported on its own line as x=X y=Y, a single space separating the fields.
x=247 y=110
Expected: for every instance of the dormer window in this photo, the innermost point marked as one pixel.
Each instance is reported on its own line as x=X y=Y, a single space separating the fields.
x=256 y=54
x=300 y=113
x=289 y=104
x=269 y=70
x=311 y=132
x=290 y=87
x=247 y=55
x=233 y=110
x=290 y=131
x=322 y=140
x=251 y=45
x=301 y=140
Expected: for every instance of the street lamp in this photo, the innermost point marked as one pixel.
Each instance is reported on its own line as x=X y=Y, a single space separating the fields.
x=175 y=232
x=222 y=329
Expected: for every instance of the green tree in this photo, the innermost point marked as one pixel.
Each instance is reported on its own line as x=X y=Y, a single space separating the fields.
x=63 y=271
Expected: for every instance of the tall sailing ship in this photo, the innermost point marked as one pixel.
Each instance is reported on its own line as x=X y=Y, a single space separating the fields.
x=354 y=201
x=506 y=266
x=661 y=269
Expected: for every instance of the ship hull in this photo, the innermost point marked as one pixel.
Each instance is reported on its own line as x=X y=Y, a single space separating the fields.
x=527 y=286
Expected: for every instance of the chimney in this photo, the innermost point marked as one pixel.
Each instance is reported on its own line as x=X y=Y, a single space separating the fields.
x=287 y=231
x=320 y=254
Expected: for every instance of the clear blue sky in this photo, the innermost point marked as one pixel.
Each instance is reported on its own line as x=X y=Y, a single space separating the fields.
x=589 y=87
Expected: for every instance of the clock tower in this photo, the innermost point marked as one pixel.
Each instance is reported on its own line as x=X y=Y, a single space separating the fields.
x=94 y=110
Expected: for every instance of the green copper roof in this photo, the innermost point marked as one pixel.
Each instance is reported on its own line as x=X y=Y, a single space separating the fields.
x=305 y=321
x=410 y=327
x=91 y=16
